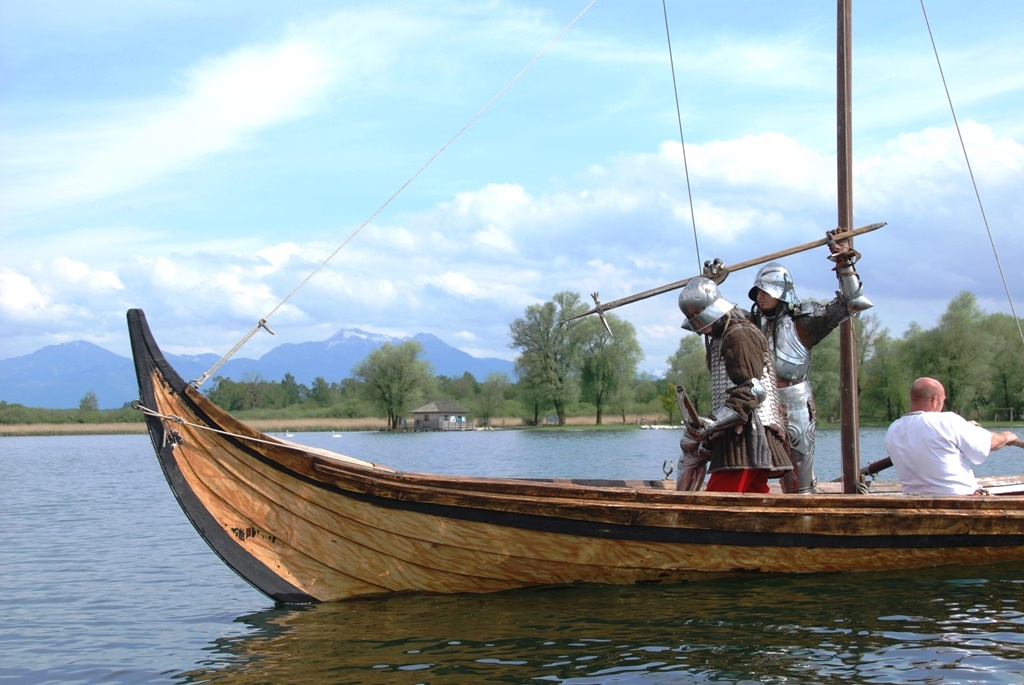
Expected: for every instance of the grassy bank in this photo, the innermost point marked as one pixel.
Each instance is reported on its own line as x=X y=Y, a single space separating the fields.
x=314 y=425
x=297 y=425
x=265 y=425
x=15 y=429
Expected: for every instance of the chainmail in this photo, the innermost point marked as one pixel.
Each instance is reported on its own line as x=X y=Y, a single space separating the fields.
x=770 y=411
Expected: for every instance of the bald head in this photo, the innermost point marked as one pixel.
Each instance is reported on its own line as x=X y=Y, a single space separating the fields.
x=927 y=394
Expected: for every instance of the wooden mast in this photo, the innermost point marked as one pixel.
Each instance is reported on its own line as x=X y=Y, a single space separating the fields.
x=849 y=411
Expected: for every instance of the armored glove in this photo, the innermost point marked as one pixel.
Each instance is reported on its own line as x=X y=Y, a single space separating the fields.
x=712 y=423
x=841 y=251
x=716 y=270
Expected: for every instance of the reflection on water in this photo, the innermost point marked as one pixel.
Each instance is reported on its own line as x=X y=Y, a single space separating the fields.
x=104 y=580
x=934 y=626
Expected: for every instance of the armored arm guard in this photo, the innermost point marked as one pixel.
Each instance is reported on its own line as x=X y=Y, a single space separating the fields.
x=851 y=290
x=720 y=419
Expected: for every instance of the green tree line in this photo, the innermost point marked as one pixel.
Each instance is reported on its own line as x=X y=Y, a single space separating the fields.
x=88 y=411
x=589 y=366
x=389 y=382
x=979 y=357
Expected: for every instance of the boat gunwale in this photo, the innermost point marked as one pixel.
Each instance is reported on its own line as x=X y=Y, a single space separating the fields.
x=387 y=484
x=765 y=520
x=630 y=512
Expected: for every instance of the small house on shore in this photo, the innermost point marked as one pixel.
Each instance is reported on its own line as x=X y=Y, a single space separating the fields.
x=441 y=416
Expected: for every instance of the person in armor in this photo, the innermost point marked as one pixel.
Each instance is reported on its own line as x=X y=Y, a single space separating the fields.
x=792 y=328
x=744 y=436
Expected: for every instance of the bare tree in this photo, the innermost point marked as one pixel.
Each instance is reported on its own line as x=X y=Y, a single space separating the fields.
x=610 y=360
x=253 y=389
x=688 y=367
x=89 y=402
x=551 y=349
x=492 y=396
x=393 y=374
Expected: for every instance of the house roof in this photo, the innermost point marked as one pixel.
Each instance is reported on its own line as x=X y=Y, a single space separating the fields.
x=440 y=407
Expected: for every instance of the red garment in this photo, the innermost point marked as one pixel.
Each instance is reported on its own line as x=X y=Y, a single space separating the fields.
x=739 y=480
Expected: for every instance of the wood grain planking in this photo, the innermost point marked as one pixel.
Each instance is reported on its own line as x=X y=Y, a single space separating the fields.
x=409 y=550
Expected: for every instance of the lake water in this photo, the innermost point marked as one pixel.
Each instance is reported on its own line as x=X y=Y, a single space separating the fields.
x=105 y=581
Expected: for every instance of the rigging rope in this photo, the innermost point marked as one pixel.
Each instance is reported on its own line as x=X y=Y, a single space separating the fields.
x=970 y=171
x=679 y=120
x=262 y=323
x=174 y=418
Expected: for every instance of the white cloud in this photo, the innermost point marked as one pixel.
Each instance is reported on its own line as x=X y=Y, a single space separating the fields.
x=249 y=89
x=81 y=276
x=20 y=299
x=459 y=284
x=771 y=161
x=497 y=203
x=62 y=293
x=783 y=61
x=581 y=240
x=278 y=257
x=723 y=225
x=494 y=237
x=394 y=239
x=932 y=161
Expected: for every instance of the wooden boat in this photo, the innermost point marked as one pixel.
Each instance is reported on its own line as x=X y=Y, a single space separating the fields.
x=308 y=525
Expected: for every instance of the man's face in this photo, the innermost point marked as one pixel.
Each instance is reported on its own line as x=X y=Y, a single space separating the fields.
x=706 y=330
x=765 y=302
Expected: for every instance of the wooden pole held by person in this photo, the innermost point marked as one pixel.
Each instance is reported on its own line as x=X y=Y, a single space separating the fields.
x=668 y=287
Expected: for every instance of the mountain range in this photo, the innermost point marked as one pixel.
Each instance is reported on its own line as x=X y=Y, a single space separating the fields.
x=58 y=376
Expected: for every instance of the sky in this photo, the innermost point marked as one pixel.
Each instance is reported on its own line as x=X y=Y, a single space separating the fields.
x=438 y=167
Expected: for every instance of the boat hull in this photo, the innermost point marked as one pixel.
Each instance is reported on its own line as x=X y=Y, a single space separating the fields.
x=306 y=525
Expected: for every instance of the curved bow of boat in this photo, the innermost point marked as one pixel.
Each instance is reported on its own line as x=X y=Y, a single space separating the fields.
x=157 y=379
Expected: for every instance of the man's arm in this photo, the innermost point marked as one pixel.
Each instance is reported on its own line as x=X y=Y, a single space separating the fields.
x=1004 y=438
x=814 y=321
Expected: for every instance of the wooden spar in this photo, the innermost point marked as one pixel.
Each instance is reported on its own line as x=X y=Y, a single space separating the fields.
x=848 y=404
x=668 y=287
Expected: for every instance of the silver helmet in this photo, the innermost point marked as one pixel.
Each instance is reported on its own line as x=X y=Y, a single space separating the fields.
x=775 y=279
x=702 y=304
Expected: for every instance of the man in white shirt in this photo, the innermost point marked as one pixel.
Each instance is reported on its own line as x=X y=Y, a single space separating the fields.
x=933 y=450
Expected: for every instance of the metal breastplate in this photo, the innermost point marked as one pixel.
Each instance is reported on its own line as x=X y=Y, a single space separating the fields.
x=770 y=411
x=796 y=398
x=792 y=359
